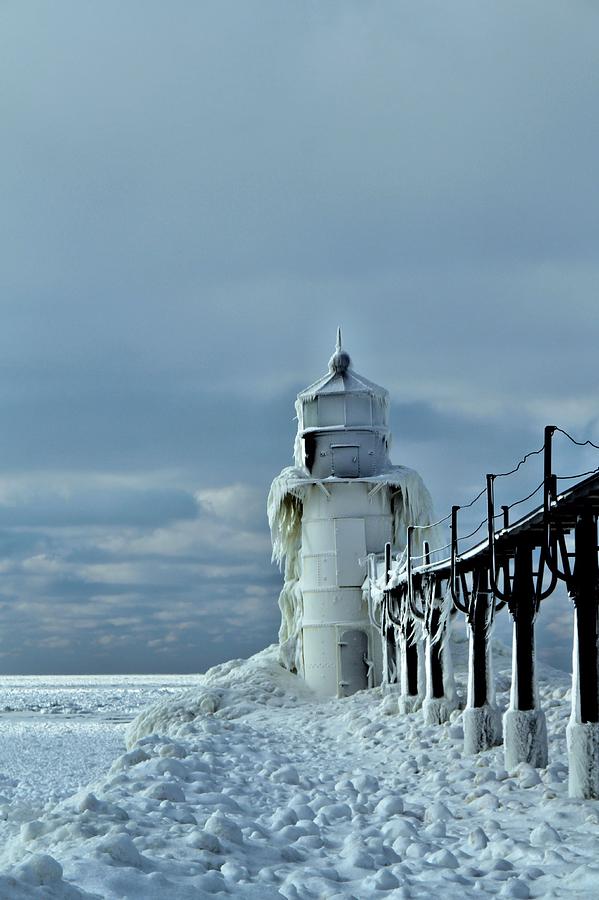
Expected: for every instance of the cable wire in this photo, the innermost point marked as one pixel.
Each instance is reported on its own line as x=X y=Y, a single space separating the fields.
x=574 y=441
x=580 y=475
x=522 y=461
x=516 y=502
x=524 y=499
x=430 y=552
x=434 y=524
x=472 y=533
x=472 y=502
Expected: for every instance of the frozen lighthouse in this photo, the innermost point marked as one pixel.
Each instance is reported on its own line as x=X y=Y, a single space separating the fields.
x=342 y=501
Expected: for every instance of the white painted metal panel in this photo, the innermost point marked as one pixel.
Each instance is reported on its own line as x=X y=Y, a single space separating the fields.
x=318 y=537
x=319 y=571
x=349 y=500
x=333 y=607
x=346 y=460
x=319 y=503
x=315 y=505
x=353 y=653
x=320 y=660
x=350 y=544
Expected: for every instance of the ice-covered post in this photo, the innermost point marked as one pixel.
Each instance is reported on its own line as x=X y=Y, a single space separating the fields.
x=440 y=698
x=583 y=728
x=482 y=722
x=524 y=727
x=390 y=660
x=409 y=697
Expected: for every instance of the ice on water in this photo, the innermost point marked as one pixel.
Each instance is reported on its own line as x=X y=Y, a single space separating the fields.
x=59 y=732
x=244 y=785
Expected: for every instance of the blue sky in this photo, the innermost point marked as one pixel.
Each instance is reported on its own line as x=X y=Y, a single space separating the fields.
x=194 y=195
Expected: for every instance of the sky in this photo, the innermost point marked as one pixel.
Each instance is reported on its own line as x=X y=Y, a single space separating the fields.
x=193 y=196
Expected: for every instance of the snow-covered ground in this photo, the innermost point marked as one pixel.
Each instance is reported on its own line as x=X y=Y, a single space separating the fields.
x=246 y=785
x=58 y=733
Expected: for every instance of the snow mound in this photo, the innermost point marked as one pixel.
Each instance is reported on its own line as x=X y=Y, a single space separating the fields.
x=40 y=875
x=229 y=690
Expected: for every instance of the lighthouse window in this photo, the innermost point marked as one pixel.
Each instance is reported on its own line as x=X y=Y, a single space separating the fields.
x=331 y=411
x=358 y=411
x=378 y=412
x=310 y=414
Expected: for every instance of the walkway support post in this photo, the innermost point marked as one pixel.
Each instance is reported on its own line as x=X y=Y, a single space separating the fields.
x=524 y=726
x=410 y=698
x=482 y=721
x=390 y=649
x=583 y=728
x=440 y=699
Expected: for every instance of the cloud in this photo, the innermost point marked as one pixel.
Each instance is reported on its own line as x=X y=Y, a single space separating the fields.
x=186 y=227
x=233 y=503
x=115 y=594
x=65 y=498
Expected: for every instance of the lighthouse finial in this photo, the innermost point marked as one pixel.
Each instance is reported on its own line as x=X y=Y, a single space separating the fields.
x=339 y=361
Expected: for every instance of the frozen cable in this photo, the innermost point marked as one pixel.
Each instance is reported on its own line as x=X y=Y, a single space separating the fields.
x=579 y=443
x=430 y=552
x=472 y=533
x=472 y=502
x=522 y=461
x=581 y=475
x=484 y=490
x=434 y=524
x=524 y=499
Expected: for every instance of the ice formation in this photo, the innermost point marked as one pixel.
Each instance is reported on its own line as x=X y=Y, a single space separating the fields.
x=483 y=726
x=411 y=504
x=524 y=730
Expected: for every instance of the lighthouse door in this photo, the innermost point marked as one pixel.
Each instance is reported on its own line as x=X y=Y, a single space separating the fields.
x=346 y=460
x=353 y=655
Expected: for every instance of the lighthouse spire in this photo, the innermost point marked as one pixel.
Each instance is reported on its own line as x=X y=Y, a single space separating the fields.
x=340 y=360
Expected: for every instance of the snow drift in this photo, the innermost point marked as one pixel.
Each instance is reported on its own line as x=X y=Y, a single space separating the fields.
x=265 y=792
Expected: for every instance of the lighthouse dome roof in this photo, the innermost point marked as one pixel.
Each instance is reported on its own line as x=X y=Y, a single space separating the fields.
x=341 y=378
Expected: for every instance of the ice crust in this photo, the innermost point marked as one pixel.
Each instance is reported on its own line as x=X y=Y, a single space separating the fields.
x=525 y=737
x=249 y=786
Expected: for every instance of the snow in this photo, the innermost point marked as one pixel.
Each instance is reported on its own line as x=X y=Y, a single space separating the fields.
x=58 y=733
x=525 y=737
x=246 y=785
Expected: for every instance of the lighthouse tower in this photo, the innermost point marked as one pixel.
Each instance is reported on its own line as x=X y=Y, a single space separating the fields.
x=342 y=501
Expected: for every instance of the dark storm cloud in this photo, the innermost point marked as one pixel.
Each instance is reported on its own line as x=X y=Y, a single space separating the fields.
x=116 y=506
x=108 y=423
x=193 y=197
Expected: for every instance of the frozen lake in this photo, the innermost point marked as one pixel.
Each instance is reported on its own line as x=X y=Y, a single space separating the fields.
x=59 y=733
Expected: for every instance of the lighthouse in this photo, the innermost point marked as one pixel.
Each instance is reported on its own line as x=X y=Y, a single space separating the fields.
x=340 y=502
